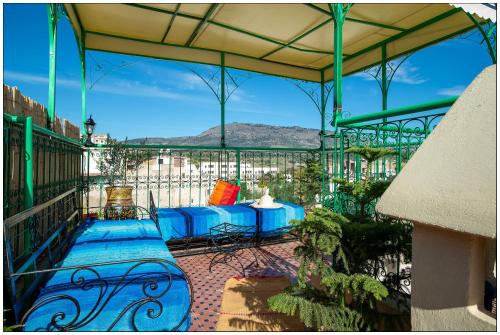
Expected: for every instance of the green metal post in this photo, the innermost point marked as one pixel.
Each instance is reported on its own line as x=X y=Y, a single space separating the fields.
x=238 y=173
x=338 y=19
x=84 y=90
x=88 y=181
x=28 y=175
x=385 y=91
x=52 y=16
x=222 y=101
x=322 y=135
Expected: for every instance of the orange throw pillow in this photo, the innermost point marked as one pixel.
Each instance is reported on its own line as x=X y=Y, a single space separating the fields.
x=224 y=193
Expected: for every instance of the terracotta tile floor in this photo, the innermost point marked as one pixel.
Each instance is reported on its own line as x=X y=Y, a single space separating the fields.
x=274 y=260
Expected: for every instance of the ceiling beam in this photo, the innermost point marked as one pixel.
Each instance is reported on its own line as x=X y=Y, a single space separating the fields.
x=370 y=23
x=171 y=22
x=201 y=24
x=297 y=38
x=225 y=26
x=400 y=35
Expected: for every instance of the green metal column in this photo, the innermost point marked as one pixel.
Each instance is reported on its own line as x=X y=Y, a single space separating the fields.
x=338 y=14
x=385 y=92
x=28 y=175
x=238 y=172
x=322 y=138
x=84 y=90
x=52 y=16
x=222 y=101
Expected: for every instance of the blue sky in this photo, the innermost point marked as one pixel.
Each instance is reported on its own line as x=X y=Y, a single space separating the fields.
x=139 y=97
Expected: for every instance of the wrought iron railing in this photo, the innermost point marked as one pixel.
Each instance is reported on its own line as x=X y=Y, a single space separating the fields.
x=37 y=238
x=184 y=176
x=54 y=165
x=403 y=135
x=153 y=277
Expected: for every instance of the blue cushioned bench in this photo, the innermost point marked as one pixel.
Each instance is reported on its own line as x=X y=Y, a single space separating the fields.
x=188 y=222
x=127 y=287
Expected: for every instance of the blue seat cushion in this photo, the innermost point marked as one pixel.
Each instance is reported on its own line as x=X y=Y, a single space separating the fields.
x=197 y=221
x=173 y=223
x=273 y=220
x=108 y=241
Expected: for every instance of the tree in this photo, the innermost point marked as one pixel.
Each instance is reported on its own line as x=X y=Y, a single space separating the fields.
x=310 y=182
x=341 y=301
x=345 y=252
x=369 y=240
x=114 y=161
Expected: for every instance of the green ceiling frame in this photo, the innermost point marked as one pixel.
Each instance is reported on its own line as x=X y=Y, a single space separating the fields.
x=170 y=24
x=370 y=23
x=229 y=27
x=402 y=34
x=175 y=13
x=202 y=23
x=491 y=49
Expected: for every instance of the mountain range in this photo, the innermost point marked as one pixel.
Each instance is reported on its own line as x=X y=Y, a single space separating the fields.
x=245 y=135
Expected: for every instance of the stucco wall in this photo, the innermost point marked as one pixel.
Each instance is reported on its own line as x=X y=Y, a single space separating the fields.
x=448 y=273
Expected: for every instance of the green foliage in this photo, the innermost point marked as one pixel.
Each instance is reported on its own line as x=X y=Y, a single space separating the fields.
x=345 y=252
x=370 y=241
x=113 y=162
x=310 y=179
x=325 y=307
x=282 y=189
x=370 y=154
x=316 y=310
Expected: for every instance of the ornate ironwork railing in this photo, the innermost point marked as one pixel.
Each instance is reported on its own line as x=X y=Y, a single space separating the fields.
x=37 y=238
x=56 y=165
x=403 y=135
x=155 y=277
x=185 y=176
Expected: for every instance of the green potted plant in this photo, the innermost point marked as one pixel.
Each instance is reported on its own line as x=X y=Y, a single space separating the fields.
x=113 y=163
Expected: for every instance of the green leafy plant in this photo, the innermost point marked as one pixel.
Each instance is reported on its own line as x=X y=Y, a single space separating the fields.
x=324 y=298
x=114 y=161
x=340 y=256
x=368 y=240
x=310 y=182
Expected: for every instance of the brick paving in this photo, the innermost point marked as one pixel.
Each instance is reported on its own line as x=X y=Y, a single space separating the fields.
x=274 y=260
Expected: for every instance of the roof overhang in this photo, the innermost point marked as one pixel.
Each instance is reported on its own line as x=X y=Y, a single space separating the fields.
x=289 y=40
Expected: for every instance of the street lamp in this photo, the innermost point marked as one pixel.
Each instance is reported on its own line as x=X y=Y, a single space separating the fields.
x=89 y=127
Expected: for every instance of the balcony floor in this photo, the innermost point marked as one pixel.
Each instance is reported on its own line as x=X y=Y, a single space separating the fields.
x=274 y=260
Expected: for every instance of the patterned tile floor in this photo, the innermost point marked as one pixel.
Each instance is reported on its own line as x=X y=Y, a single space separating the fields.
x=274 y=260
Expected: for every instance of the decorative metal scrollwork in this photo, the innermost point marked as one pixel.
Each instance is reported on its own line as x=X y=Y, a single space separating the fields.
x=154 y=288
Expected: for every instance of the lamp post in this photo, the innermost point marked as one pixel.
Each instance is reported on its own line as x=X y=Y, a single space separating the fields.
x=89 y=127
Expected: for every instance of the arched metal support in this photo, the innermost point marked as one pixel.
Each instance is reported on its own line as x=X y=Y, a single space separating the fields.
x=488 y=37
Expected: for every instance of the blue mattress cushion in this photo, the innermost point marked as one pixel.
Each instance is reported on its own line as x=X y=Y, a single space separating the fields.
x=197 y=221
x=103 y=292
x=273 y=220
x=173 y=223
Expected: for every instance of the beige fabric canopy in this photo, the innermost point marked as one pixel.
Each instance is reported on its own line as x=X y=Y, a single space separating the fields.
x=291 y=40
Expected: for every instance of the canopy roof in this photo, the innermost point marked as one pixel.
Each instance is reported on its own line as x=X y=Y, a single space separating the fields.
x=290 y=40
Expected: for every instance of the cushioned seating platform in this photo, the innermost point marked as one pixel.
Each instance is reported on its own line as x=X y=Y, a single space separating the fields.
x=184 y=222
x=273 y=220
x=197 y=221
x=108 y=241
